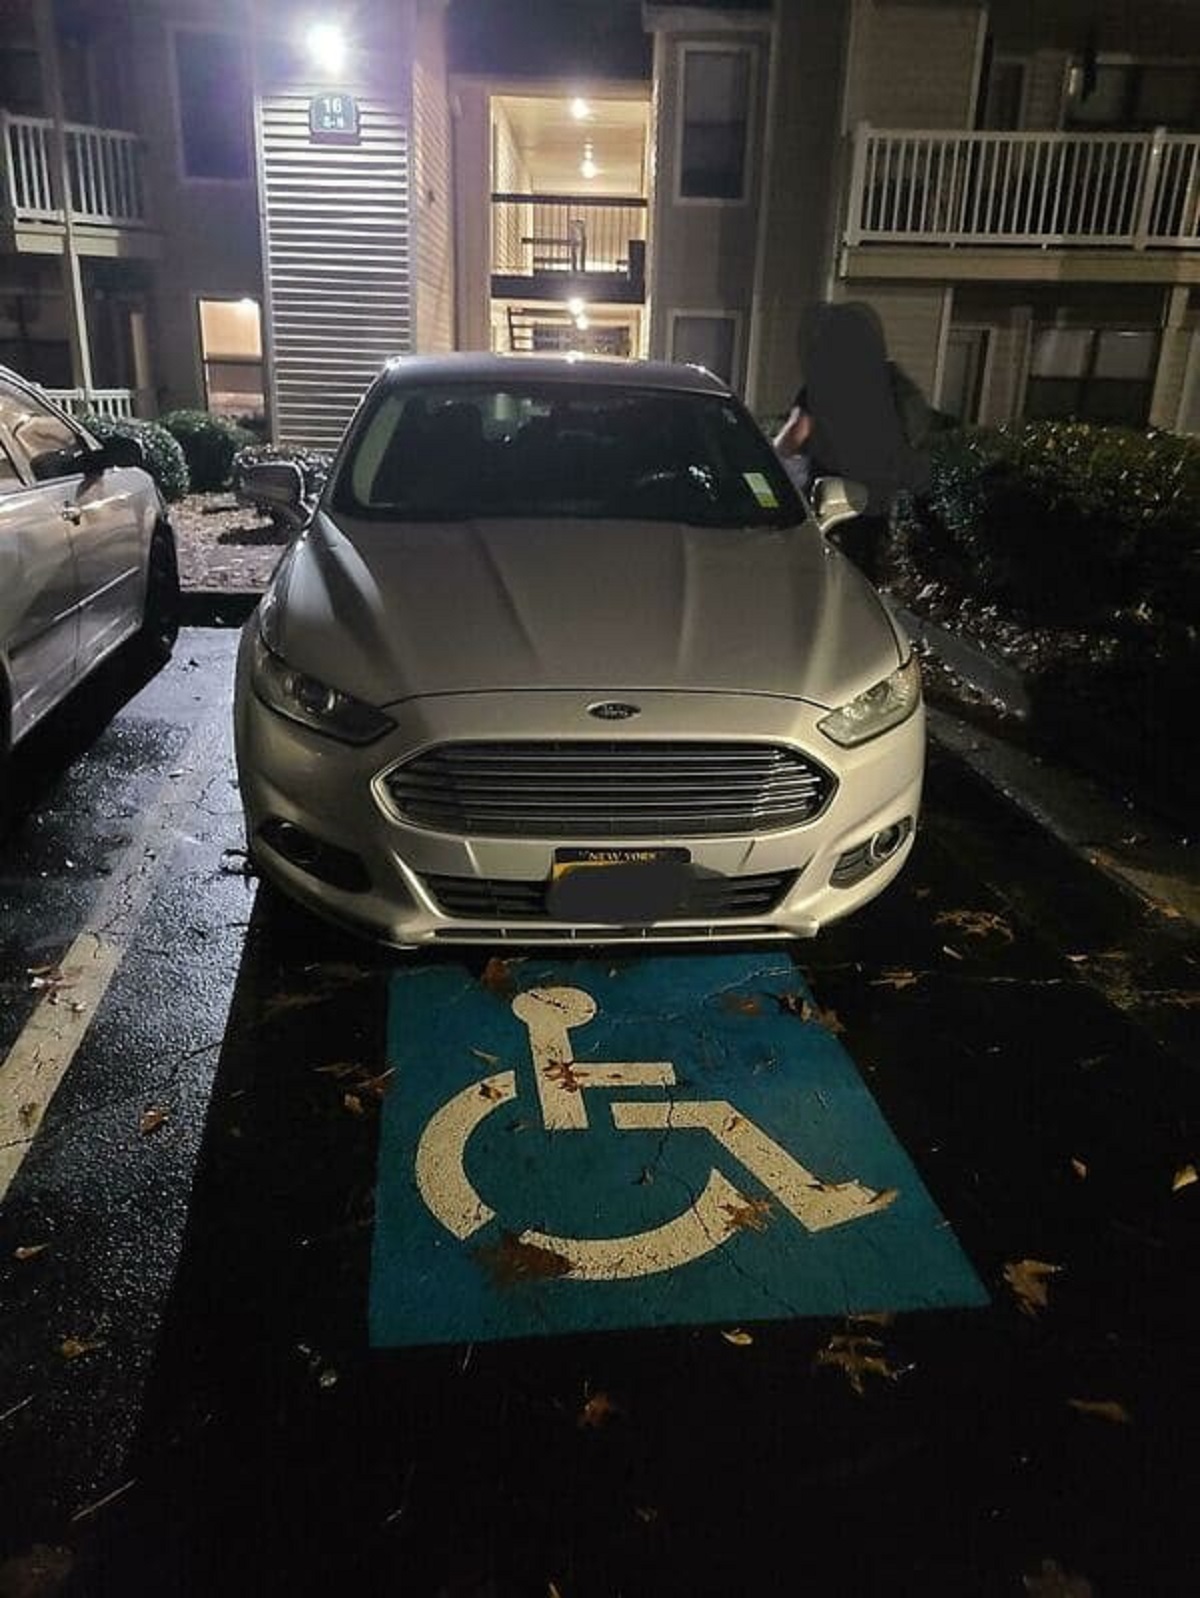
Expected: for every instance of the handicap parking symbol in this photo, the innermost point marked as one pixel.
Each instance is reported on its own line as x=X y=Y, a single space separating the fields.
x=660 y=1142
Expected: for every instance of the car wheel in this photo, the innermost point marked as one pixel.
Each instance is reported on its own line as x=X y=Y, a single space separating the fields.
x=160 y=618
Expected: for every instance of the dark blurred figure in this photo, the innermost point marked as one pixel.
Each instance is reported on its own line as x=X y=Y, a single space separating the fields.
x=861 y=418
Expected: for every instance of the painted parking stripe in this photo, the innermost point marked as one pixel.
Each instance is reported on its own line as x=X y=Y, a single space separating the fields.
x=34 y=1067
x=660 y=1142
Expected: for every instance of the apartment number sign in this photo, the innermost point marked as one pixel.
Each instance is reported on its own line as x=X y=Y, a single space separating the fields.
x=333 y=119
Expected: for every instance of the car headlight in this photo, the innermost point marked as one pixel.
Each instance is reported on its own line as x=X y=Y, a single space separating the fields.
x=312 y=703
x=885 y=705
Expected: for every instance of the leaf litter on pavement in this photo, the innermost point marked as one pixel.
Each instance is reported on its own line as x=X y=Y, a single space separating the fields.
x=1030 y=1283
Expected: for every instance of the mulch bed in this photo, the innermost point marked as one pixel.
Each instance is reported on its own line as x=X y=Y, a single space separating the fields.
x=223 y=545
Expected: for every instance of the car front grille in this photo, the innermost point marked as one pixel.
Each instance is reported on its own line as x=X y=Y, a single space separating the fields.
x=623 y=789
x=712 y=898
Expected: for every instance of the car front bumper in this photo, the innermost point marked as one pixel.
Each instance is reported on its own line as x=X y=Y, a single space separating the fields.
x=362 y=866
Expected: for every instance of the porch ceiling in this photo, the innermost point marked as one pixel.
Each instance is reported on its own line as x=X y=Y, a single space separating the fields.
x=551 y=141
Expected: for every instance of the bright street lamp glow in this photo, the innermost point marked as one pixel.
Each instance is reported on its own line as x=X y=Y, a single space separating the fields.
x=581 y=322
x=327 y=45
x=588 y=167
x=580 y=109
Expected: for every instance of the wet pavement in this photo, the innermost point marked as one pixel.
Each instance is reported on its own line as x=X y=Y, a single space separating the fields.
x=223 y=1191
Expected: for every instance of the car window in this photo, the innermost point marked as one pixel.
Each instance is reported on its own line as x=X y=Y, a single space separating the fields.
x=47 y=443
x=561 y=449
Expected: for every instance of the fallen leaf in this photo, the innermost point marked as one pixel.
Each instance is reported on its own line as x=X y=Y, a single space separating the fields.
x=885 y=1196
x=152 y=1119
x=76 y=1347
x=975 y=923
x=1103 y=1409
x=339 y=1070
x=953 y=953
x=876 y=1317
x=487 y=1091
x=560 y=1072
x=497 y=977
x=738 y=1337
x=598 y=1409
x=377 y=1086
x=741 y=1004
x=857 y=1357
x=352 y=1102
x=1080 y=1168
x=751 y=1215
x=510 y=1262
x=1184 y=1177
x=29 y=1251
x=1029 y=1282
x=895 y=977
x=796 y=1004
x=488 y=1059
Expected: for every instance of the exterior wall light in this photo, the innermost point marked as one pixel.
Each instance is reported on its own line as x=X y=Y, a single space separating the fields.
x=580 y=109
x=576 y=306
x=326 y=44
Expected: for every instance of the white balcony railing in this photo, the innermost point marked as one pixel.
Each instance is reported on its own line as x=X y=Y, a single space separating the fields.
x=1136 y=190
x=104 y=166
x=111 y=402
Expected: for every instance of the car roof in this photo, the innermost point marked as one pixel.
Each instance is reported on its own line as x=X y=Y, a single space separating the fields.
x=465 y=367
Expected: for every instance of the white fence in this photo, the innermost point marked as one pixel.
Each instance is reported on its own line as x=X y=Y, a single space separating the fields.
x=1137 y=190
x=104 y=167
x=111 y=402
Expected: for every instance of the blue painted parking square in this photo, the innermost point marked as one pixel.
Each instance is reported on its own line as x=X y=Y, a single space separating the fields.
x=661 y=1141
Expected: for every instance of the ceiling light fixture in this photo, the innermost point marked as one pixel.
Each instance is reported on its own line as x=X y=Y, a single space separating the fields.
x=580 y=109
x=326 y=44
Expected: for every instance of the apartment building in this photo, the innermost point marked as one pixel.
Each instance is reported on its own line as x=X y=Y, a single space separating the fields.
x=250 y=204
x=1014 y=186
x=223 y=203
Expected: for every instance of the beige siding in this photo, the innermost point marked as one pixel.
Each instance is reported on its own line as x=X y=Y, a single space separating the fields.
x=209 y=231
x=1045 y=76
x=704 y=252
x=472 y=212
x=912 y=320
x=337 y=262
x=802 y=198
x=914 y=65
x=432 y=192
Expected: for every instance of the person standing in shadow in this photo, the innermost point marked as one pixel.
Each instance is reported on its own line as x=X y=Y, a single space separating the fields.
x=860 y=417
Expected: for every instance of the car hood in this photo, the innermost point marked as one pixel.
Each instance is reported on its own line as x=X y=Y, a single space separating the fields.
x=390 y=612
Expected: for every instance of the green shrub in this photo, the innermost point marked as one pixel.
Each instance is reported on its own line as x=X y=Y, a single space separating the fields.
x=165 y=459
x=1058 y=521
x=209 y=444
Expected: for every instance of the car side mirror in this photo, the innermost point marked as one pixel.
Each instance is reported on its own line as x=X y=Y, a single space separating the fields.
x=117 y=451
x=276 y=487
x=837 y=499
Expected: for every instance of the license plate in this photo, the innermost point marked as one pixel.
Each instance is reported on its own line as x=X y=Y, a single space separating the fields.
x=621 y=886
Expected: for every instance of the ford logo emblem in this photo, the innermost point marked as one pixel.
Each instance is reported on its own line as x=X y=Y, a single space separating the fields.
x=611 y=710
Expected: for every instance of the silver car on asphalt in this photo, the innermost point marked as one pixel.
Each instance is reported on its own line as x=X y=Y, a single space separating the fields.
x=87 y=557
x=562 y=656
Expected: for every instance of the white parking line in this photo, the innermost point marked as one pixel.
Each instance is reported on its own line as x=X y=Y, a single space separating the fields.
x=38 y=1060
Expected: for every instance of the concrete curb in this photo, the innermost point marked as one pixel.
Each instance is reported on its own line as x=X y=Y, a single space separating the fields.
x=975 y=664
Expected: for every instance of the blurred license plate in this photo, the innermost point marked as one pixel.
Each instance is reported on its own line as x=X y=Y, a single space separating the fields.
x=619 y=885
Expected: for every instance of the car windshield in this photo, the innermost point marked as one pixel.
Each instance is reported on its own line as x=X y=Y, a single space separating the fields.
x=472 y=449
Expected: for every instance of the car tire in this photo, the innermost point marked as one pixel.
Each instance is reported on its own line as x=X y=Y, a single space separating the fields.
x=160 y=617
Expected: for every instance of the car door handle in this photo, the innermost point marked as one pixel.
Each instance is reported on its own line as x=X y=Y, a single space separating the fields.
x=71 y=513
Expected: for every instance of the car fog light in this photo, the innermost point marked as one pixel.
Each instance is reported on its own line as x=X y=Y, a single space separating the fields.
x=884 y=844
x=339 y=867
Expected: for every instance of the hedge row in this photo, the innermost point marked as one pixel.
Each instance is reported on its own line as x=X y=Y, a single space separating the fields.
x=1059 y=522
x=163 y=454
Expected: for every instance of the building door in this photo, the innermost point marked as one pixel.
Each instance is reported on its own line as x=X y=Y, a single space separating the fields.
x=962 y=374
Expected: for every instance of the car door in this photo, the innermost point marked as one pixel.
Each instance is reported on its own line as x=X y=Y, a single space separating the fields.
x=39 y=594
x=101 y=510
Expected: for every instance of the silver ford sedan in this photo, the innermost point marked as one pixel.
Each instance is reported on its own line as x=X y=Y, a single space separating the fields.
x=562 y=656
x=87 y=557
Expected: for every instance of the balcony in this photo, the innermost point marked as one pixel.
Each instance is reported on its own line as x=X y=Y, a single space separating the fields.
x=555 y=246
x=107 y=194
x=1061 y=191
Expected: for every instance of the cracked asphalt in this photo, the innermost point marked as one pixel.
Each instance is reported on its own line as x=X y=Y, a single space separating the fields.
x=188 y=1401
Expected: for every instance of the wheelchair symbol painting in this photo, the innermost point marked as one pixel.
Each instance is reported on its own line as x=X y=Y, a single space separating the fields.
x=671 y=1143
x=550 y=1015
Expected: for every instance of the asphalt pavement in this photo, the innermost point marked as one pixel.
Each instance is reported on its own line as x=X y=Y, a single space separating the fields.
x=864 y=1267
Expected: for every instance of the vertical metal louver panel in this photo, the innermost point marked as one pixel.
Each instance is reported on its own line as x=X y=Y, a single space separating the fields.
x=336 y=236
